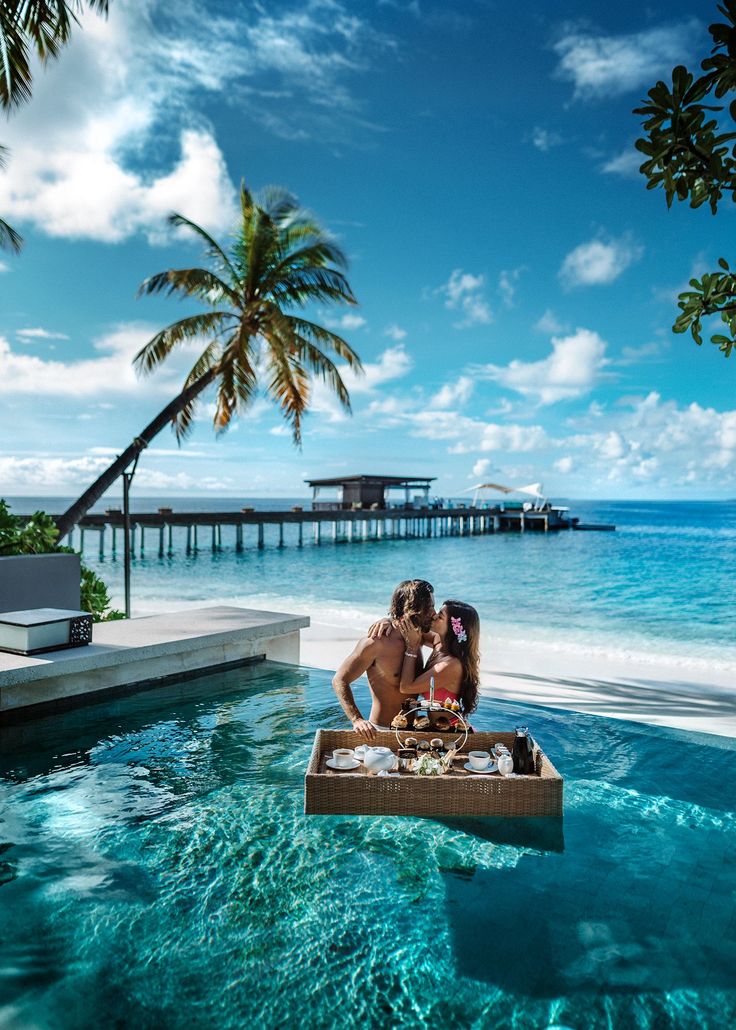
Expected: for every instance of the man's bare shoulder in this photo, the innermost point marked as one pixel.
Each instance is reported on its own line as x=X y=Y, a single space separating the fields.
x=364 y=646
x=389 y=647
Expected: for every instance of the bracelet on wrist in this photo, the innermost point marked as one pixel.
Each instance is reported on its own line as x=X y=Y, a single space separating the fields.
x=409 y=654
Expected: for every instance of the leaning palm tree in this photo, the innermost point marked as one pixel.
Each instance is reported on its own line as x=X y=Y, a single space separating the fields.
x=279 y=261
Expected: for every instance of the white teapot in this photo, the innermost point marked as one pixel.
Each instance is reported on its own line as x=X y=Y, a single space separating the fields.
x=505 y=763
x=378 y=759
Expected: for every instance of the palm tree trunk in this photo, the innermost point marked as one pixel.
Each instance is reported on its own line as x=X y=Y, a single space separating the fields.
x=81 y=506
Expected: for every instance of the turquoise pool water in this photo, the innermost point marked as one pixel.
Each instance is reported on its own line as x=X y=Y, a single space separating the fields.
x=156 y=871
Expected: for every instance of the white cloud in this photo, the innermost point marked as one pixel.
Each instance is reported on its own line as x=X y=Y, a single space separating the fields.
x=155 y=452
x=549 y=323
x=544 y=139
x=4 y=267
x=87 y=194
x=40 y=473
x=111 y=143
x=570 y=371
x=507 y=282
x=395 y=332
x=40 y=334
x=597 y=263
x=657 y=442
x=463 y=292
x=626 y=164
x=450 y=394
x=502 y=438
x=110 y=372
x=393 y=363
x=348 y=321
x=634 y=355
x=564 y=465
x=604 y=66
x=464 y=433
x=481 y=466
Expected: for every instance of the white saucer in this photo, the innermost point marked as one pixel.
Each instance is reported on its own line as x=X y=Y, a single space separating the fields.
x=331 y=764
x=490 y=768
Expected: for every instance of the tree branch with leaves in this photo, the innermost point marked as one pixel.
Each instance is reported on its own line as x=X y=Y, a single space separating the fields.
x=691 y=154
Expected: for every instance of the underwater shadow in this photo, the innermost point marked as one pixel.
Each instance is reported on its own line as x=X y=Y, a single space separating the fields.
x=543 y=833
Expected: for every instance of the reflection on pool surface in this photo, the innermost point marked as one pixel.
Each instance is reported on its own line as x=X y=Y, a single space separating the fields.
x=156 y=871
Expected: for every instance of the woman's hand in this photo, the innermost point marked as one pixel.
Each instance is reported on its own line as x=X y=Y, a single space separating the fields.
x=382 y=628
x=412 y=636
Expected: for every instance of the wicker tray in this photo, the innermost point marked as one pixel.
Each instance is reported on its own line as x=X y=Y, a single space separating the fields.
x=459 y=793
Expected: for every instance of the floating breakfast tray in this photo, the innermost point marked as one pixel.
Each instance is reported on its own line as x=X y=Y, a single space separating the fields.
x=456 y=793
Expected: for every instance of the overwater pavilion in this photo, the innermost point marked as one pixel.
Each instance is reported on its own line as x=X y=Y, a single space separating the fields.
x=369 y=492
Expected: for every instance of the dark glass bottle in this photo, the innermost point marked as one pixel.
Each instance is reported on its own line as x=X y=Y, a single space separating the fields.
x=521 y=752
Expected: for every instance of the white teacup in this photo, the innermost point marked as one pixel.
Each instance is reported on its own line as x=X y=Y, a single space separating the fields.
x=479 y=759
x=343 y=756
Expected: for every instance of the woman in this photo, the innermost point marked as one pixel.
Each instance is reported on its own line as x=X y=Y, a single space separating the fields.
x=454 y=661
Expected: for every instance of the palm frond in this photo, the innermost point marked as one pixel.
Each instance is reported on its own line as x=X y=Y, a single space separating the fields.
x=313 y=285
x=213 y=248
x=288 y=385
x=41 y=26
x=164 y=342
x=183 y=422
x=15 y=77
x=317 y=333
x=315 y=254
x=9 y=238
x=257 y=251
x=227 y=398
x=245 y=383
x=280 y=205
x=303 y=234
x=320 y=365
x=208 y=359
x=190 y=282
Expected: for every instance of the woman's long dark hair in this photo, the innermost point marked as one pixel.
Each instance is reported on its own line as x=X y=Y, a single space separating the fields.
x=466 y=651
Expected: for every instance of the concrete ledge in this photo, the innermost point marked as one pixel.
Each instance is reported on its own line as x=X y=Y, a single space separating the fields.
x=137 y=651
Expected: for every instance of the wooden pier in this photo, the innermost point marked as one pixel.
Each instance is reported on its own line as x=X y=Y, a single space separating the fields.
x=165 y=532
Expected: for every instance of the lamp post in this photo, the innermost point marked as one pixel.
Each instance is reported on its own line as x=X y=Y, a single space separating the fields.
x=127 y=480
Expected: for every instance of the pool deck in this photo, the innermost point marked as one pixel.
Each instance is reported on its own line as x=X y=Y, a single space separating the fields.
x=139 y=652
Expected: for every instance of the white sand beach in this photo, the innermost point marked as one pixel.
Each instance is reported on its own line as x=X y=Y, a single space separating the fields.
x=689 y=695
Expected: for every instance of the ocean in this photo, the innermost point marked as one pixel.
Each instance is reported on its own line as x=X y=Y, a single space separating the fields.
x=662 y=585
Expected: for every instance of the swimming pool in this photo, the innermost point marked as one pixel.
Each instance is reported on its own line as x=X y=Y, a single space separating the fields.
x=156 y=871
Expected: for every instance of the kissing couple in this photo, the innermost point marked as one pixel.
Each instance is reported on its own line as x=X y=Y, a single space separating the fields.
x=391 y=657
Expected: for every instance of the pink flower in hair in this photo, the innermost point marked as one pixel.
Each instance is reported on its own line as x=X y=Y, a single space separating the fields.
x=458 y=630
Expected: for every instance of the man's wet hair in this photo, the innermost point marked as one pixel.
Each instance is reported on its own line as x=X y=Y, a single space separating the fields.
x=415 y=599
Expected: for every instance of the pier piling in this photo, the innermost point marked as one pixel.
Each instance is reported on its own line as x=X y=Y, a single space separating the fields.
x=348 y=525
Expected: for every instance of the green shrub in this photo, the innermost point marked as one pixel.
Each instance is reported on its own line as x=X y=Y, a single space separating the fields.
x=39 y=535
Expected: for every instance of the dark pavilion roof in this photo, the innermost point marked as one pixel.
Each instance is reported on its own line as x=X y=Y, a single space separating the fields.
x=404 y=481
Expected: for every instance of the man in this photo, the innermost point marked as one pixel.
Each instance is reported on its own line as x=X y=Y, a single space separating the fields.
x=381 y=659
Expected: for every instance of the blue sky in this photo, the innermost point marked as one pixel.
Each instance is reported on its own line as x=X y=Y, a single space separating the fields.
x=517 y=282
